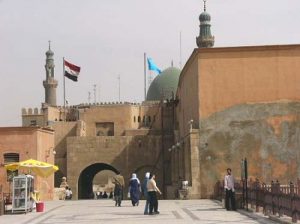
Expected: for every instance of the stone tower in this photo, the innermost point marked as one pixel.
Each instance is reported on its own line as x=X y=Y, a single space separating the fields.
x=50 y=83
x=205 y=38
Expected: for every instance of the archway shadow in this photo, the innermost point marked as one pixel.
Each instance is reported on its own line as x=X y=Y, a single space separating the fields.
x=85 y=182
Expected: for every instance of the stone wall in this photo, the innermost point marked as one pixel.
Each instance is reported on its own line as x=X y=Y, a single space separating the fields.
x=126 y=154
x=267 y=134
x=122 y=117
x=62 y=131
x=32 y=117
x=237 y=75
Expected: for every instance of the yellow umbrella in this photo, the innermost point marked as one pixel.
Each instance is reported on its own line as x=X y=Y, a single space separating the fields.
x=42 y=169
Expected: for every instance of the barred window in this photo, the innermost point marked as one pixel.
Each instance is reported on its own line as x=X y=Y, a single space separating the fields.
x=11 y=158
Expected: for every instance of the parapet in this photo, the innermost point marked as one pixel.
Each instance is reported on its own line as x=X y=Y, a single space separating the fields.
x=32 y=111
x=101 y=104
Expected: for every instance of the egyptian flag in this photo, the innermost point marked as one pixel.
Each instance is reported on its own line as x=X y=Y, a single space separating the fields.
x=71 y=71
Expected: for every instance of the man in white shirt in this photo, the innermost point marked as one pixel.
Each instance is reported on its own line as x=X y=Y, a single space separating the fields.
x=229 y=191
x=68 y=193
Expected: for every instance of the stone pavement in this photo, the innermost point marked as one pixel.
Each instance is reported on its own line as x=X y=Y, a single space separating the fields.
x=104 y=211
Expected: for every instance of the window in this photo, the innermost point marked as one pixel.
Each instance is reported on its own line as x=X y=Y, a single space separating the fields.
x=149 y=119
x=33 y=123
x=105 y=129
x=134 y=119
x=11 y=158
x=139 y=119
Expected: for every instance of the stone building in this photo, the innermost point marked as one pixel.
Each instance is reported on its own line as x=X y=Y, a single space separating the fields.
x=22 y=143
x=117 y=136
x=226 y=104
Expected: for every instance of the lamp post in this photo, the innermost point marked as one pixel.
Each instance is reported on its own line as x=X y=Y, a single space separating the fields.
x=48 y=153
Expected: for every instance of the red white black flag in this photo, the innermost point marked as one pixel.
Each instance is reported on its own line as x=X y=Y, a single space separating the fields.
x=71 y=71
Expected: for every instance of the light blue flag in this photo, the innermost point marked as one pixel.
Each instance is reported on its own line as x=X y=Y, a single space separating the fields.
x=152 y=66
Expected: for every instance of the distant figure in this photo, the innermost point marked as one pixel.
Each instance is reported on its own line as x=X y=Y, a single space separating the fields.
x=98 y=194
x=63 y=183
x=134 y=190
x=145 y=193
x=152 y=189
x=110 y=195
x=229 y=191
x=68 y=193
x=105 y=195
x=119 y=182
x=71 y=194
x=101 y=195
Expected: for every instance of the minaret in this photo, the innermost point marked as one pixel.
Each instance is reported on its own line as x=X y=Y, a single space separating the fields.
x=205 y=38
x=50 y=83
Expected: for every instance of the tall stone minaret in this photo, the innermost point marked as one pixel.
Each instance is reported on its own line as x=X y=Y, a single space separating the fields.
x=50 y=83
x=205 y=38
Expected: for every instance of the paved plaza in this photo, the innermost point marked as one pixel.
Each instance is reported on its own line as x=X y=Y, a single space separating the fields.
x=104 y=211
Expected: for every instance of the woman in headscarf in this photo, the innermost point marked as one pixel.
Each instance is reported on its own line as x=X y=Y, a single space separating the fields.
x=134 y=190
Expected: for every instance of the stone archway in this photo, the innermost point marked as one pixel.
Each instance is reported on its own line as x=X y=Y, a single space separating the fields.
x=85 y=182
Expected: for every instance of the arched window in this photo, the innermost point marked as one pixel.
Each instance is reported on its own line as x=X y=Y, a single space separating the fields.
x=139 y=119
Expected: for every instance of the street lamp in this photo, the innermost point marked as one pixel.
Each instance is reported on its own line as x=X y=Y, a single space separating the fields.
x=47 y=155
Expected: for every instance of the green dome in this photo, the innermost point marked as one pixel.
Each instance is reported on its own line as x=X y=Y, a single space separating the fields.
x=164 y=85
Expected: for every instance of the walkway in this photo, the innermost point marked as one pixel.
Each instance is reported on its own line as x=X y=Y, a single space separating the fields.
x=104 y=211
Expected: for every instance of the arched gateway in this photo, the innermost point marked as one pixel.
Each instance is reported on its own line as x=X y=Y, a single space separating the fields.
x=85 y=182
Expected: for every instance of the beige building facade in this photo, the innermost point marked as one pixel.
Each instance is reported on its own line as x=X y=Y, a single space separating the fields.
x=22 y=143
x=228 y=104
x=244 y=102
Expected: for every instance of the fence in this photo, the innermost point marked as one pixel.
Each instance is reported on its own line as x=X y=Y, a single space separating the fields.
x=275 y=199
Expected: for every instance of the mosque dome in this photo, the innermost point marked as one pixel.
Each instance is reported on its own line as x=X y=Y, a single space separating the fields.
x=164 y=85
x=204 y=16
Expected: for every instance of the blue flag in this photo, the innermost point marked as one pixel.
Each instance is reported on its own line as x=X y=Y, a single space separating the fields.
x=152 y=66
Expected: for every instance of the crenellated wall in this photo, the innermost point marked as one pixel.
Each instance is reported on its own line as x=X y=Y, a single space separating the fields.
x=33 y=117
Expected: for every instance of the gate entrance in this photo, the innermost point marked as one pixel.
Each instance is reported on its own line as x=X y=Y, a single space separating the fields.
x=85 y=182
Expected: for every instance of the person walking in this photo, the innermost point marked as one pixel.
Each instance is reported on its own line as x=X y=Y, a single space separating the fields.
x=145 y=193
x=134 y=190
x=152 y=189
x=229 y=191
x=119 y=182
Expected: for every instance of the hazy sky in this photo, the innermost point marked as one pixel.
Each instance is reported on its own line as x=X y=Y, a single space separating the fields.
x=108 y=38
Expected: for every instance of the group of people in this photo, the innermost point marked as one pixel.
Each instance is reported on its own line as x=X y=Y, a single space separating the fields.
x=148 y=189
x=104 y=195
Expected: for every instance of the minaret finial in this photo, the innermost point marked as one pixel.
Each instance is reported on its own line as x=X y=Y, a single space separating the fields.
x=49 y=44
x=205 y=39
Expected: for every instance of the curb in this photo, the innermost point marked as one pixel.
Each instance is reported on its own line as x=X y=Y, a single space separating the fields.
x=256 y=215
x=281 y=220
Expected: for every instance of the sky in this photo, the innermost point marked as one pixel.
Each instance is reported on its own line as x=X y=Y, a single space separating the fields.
x=108 y=38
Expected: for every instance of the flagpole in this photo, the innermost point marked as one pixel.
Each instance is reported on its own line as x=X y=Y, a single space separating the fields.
x=145 y=75
x=180 y=51
x=64 y=89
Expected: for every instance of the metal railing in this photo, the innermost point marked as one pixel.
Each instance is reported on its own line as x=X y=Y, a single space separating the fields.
x=275 y=199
